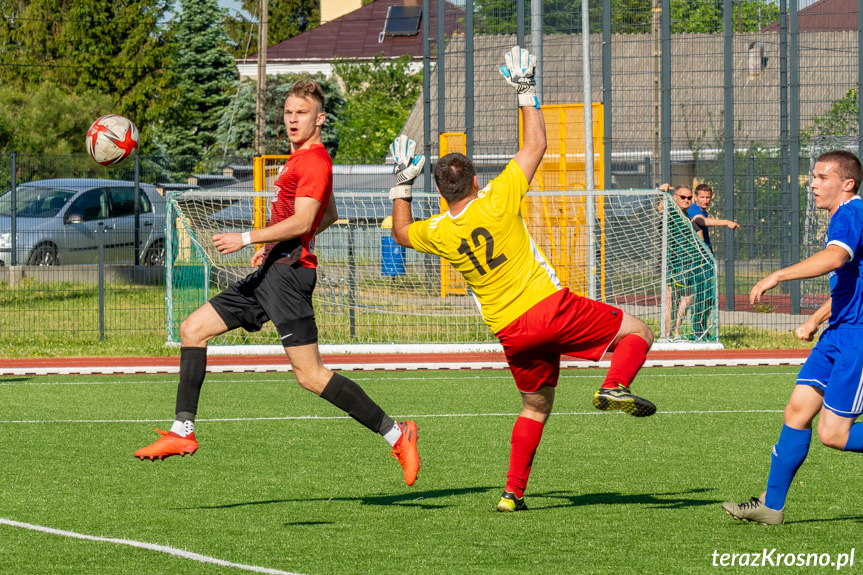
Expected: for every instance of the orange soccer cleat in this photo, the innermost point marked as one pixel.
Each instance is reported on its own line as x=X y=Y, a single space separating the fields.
x=169 y=444
x=405 y=450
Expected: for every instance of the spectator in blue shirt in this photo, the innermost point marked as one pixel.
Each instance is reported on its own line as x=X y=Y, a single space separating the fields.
x=697 y=212
x=702 y=309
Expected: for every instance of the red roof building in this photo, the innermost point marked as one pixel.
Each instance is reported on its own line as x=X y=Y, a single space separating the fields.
x=358 y=35
x=824 y=16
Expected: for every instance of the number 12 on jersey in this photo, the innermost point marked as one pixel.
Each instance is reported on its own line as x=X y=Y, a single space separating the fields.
x=491 y=261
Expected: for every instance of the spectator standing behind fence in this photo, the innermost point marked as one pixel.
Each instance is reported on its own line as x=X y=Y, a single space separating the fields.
x=830 y=383
x=680 y=282
x=706 y=281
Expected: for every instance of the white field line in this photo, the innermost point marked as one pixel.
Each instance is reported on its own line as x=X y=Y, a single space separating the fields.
x=148 y=546
x=387 y=366
x=563 y=376
x=397 y=417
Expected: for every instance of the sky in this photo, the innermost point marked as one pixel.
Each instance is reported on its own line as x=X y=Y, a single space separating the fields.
x=231 y=5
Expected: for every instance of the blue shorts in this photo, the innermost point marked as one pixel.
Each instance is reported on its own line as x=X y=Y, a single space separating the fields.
x=835 y=366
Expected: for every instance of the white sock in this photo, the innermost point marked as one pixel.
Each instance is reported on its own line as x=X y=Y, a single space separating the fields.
x=183 y=428
x=393 y=435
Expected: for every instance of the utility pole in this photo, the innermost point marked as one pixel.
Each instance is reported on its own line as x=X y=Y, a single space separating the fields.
x=260 y=120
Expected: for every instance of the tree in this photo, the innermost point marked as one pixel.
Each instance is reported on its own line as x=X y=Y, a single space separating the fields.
x=286 y=19
x=204 y=72
x=236 y=132
x=104 y=46
x=47 y=119
x=380 y=94
x=840 y=120
x=627 y=16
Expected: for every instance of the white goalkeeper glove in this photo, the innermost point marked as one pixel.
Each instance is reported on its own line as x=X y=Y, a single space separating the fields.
x=519 y=73
x=408 y=166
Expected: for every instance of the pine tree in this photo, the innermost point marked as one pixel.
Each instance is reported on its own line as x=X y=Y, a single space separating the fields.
x=205 y=72
x=286 y=19
x=95 y=46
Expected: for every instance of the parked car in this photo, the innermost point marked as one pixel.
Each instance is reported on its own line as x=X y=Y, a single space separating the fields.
x=57 y=222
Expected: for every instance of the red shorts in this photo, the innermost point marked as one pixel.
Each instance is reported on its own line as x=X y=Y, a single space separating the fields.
x=562 y=323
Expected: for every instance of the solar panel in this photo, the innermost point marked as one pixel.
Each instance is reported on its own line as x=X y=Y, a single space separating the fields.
x=402 y=21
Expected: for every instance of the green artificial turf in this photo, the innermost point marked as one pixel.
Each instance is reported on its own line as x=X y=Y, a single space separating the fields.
x=284 y=481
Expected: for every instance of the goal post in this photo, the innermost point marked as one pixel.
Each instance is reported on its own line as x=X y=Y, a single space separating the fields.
x=366 y=294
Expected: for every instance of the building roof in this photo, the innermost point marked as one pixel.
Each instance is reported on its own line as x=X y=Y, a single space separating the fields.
x=824 y=16
x=358 y=35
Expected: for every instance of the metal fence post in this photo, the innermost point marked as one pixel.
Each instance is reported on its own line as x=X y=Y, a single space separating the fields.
x=14 y=210
x=519 y=22
x=784 y=252
x=440 y=68
x=728 y=179
x=794 y=129
x=751 y=200
x=647 y=174
x=100 y=232
x=352 y=284
x=607 y=139
x=137 y=210
x=468 y=78
x=665 y=66
x=859 y=76
x=536 y=43
x=427 y=174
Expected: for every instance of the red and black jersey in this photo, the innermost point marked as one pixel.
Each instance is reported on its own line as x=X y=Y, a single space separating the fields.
x=307 y=173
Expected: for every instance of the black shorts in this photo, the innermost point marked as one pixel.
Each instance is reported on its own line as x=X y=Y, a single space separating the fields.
x=276 y=292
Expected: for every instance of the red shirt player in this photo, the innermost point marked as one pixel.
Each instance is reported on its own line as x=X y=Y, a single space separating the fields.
x=280 y=290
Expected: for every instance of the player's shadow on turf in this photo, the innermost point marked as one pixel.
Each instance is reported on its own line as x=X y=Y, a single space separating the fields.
x=656 y=500
x=421 y=499
x=857 y=518
x=307 y=523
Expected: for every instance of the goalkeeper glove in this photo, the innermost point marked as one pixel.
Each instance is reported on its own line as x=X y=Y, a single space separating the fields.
x=519 y=73
x=408 y=166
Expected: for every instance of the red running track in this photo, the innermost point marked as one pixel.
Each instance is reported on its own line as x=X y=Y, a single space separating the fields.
x=378 y=358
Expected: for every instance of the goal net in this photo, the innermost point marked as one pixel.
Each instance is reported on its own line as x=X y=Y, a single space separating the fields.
x=632 y=249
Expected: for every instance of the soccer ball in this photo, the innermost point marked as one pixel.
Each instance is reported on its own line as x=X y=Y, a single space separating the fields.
x=111 y=139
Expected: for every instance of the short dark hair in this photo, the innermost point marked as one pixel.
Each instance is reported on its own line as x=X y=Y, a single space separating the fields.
x=453 y=175
x=703 y=188
x=848 y=166
x=308 y=90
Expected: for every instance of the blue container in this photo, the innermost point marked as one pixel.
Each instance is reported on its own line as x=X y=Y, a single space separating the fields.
x=392 y=257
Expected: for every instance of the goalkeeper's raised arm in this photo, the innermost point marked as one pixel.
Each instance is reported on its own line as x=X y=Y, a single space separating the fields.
x=518 y=71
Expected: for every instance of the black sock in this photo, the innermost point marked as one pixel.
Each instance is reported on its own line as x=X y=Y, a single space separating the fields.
x=350 y=397
x=193 y=368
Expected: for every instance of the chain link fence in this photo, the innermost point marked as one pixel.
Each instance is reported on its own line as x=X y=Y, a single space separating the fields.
x=684 y=102
x=82 y=247
x=689 y=95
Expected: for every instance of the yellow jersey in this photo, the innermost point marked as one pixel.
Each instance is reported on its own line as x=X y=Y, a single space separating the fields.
x=489 y=244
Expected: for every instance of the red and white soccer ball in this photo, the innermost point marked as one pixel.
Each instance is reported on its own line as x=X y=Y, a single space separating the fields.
x=111 y=139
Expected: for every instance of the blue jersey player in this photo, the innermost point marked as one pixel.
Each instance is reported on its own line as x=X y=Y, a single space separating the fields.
x=831 y=380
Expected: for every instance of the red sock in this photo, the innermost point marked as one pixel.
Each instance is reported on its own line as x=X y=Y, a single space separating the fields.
x=526 y=434
x=626 y=360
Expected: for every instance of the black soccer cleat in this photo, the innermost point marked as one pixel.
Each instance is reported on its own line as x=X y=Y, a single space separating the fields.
x=509 y=502
x=622 y=399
